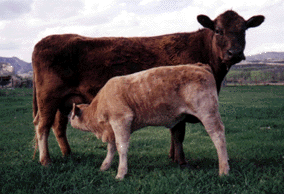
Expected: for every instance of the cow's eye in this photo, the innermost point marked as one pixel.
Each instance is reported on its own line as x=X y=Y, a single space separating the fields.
x=219 y=31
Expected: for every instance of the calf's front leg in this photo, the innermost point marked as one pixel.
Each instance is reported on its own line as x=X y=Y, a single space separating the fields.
x=122 y=148
x=121 y=127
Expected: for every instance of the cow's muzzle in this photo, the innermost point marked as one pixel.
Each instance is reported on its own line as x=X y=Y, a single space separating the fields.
x=235 y=55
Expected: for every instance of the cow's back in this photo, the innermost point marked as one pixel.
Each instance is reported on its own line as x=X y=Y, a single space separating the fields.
x=72 y=65
x=68 y=56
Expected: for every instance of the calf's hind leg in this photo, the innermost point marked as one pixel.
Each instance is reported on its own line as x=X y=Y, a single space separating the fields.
x=216 y=131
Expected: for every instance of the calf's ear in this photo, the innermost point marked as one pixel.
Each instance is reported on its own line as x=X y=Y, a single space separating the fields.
x=255 y=21
x=206 y=22
x=76 y=111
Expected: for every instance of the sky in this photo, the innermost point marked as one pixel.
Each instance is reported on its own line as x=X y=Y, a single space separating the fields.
x=25 y=22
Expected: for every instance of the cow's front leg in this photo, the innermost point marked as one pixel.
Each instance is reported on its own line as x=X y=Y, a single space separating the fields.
x=216 y=131
x=111 y=148
x=177 y=138
x=59 y=128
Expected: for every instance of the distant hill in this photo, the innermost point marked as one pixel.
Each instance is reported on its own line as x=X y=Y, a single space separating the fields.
x=19 y=65
x=266 y=56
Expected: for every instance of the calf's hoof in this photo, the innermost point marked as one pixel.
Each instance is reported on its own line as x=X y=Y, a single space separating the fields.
x=119 y=178
x=121 y=173
x=224 y=170
x=105 y=166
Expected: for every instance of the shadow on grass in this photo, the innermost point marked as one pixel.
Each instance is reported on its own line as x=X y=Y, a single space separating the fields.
x=162 y=162
x=144 y=163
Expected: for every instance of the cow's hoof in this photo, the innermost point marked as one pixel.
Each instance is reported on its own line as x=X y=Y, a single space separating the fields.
x=185 y=165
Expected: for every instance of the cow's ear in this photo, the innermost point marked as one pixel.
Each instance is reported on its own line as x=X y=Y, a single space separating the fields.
x=206 y=22
x=254 y=21
x=76 y=111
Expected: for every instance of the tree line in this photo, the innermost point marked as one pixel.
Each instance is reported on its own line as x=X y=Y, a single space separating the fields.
x=255 y=74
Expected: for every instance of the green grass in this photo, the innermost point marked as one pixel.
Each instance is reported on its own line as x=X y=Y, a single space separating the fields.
x=253 y=117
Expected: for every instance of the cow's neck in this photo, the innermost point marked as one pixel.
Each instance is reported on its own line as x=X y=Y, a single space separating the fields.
x=199 y=49
x=219 y=69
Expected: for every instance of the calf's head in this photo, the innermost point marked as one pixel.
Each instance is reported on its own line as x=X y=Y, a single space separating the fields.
x=77 y=117
x=228 y=41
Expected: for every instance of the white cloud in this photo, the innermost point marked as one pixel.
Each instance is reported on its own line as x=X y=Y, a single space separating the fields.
x=11 y=9
x=145 y=2
x=92 y=6
x=267 y=47
x=8 y=46
x=125 y=19
x=244 y=7
x=2 y=24
x=243 y=4
x=86 y=31
x=56 y=9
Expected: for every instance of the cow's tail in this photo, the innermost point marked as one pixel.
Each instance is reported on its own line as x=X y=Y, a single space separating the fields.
x=35 y=116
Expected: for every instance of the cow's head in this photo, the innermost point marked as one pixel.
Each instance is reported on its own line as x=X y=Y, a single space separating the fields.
x=77 y=117
x=228 y=41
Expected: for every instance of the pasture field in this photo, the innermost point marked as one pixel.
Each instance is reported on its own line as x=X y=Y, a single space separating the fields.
x=253 y=117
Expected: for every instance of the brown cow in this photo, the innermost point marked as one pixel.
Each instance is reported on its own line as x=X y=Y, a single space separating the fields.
x=161 y=96
x=71 y=68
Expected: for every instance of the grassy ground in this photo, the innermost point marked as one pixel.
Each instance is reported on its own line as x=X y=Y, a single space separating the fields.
x=253 y=117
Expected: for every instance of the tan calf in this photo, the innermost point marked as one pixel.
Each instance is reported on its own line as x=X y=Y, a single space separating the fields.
x=161 y=96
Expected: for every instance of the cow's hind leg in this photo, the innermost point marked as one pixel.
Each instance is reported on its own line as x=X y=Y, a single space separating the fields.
x=111 y=148
x=216 y=131
x=59 y=128
x=177 y=138
x=42 y=128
